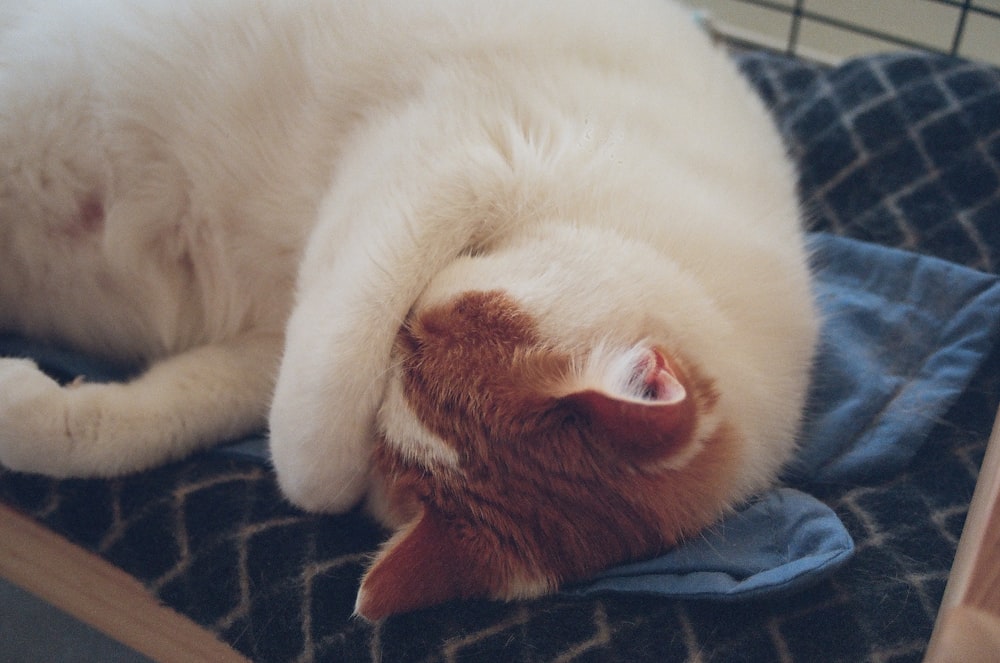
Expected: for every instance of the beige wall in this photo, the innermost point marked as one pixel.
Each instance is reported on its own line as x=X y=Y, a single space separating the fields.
x=924 y=21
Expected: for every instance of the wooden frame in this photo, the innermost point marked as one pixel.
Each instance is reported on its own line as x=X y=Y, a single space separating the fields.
x=97 y=593
x=968 y=623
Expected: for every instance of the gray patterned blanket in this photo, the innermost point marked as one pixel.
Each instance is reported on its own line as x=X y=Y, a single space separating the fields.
x=900 y=151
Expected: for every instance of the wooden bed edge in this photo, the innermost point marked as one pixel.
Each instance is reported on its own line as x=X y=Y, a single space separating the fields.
x=98 y=593
x=968 y=623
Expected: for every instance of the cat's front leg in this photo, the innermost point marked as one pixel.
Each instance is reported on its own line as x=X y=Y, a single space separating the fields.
x=330 y=383
x=183 y=403
x=391 y=222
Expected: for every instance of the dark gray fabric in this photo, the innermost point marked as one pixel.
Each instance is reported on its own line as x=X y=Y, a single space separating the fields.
x=901 y=151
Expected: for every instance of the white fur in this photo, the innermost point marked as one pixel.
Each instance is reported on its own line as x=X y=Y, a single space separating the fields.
x=598 y=159
x=405 y=432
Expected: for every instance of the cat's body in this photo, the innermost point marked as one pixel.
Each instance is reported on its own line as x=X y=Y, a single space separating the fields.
x=544 y=252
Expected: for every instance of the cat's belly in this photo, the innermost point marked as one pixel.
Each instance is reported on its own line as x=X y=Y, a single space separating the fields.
x=72 y=287
x=75 y=297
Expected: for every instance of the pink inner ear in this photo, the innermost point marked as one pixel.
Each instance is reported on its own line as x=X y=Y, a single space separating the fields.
x=648 y=416
x=659 y=382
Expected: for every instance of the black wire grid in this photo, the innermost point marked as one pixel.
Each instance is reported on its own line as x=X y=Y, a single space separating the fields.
x=799 y=13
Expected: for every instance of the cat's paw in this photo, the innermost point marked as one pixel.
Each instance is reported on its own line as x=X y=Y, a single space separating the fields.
x=33 y=436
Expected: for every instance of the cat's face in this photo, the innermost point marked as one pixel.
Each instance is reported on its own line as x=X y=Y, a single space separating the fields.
x=512 y=461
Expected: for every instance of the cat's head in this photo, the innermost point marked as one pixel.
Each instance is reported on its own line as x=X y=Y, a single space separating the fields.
x=514 y=458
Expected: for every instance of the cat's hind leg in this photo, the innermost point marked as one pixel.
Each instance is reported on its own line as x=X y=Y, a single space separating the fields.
x=180 y=404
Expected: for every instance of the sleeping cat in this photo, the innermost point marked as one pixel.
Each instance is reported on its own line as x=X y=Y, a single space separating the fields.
x=528 y=276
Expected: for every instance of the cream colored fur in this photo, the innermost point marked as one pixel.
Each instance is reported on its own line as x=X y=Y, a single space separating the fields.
x=253 y=195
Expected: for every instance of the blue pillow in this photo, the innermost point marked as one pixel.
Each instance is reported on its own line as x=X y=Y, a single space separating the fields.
x=781 y=542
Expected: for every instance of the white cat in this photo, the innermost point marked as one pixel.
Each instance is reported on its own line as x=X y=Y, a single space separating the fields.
x=528 y=274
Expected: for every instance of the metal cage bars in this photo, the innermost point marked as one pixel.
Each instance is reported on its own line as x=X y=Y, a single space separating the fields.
x=800 y=13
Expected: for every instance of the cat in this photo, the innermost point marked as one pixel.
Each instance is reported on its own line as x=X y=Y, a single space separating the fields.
x=528 y=278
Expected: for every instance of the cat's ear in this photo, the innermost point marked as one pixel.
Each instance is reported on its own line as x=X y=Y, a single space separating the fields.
x=641 y=408
x=420 y=566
